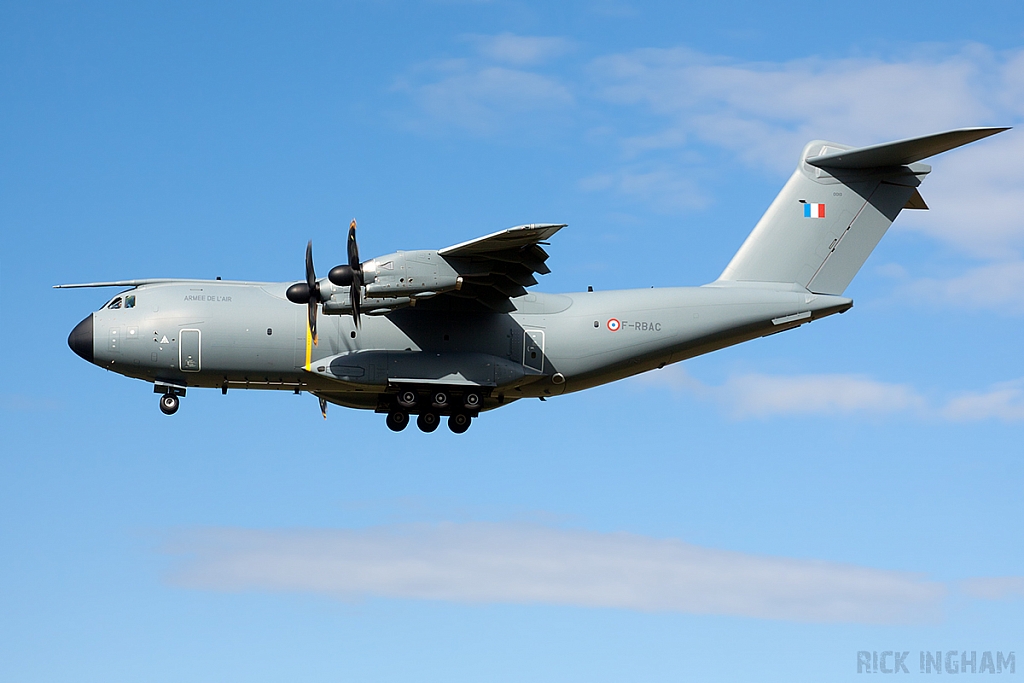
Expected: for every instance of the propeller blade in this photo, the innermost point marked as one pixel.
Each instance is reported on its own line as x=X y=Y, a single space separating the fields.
x=323 y=407
x=310 y=273
x=353 y=248
x=356 y=288
x=308 y=293
x=311 y=315
x=355 y=292
x=314 y=292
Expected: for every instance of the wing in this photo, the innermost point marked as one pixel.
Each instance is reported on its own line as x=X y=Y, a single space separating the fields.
x=500 y=265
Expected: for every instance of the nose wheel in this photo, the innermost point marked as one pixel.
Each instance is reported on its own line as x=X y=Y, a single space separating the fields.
x=169 y=404
x=169 y=396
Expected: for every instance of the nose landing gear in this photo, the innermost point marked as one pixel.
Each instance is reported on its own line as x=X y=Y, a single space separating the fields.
x=169 y=402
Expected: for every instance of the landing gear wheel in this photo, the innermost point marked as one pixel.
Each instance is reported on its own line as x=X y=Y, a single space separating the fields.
x=169 y=404
x=472 y=400
x=459 y=422
x=407 y=398
x=398 y=420
x=428 y=422
x=439 y=399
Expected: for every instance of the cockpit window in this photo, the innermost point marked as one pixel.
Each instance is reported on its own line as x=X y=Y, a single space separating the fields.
x=116 y=303
x=129 y=301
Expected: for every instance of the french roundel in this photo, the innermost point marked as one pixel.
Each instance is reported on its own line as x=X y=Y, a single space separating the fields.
x=614 y=324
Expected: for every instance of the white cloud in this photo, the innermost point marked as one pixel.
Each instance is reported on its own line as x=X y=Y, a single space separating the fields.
x=520 y=50
x=1004 y=401
x=487 y=99
x=994 y=588
x=663 y=187
x=512 y=563
x=765 y=112
x=760 y=395
x=996 y=287
x=494 y=92
x=976 y=195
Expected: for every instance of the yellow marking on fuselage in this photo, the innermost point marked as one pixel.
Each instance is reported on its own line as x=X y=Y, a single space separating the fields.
x=309 y=345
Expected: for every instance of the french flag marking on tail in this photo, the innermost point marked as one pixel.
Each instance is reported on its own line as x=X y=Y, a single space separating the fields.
x=814 y=210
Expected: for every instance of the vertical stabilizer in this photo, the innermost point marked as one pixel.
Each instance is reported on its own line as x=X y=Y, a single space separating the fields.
x=835 y=208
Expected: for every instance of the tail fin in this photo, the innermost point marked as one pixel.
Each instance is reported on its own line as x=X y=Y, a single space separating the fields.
x=836 y=207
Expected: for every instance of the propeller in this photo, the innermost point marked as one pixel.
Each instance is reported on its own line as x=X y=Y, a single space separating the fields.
x=350 y=276
x=356 y=290
x=307 y=292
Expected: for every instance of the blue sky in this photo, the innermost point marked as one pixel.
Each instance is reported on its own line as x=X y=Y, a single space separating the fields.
x=763 y=512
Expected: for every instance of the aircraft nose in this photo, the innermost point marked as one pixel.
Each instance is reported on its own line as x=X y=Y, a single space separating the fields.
x=80 y=339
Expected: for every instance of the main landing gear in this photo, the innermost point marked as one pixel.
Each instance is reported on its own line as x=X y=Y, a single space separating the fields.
x=428 y=421
x=430 y=407
x=459 y=422
x=398 y=420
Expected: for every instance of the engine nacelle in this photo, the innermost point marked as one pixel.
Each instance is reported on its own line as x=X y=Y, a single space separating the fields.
x=414 y=274
x=341 y=304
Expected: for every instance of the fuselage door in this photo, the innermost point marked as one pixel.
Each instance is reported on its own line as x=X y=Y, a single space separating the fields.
x=533 y=349
x=189 y=343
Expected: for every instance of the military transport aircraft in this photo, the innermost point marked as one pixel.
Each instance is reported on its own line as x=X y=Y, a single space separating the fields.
x=454 y=332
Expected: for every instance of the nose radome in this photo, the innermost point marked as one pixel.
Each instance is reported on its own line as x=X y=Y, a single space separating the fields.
x=80 y=339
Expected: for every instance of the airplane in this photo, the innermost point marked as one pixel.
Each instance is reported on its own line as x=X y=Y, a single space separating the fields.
x=455 y=332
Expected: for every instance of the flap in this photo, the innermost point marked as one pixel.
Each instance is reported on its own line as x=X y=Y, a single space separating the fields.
x=499 y=266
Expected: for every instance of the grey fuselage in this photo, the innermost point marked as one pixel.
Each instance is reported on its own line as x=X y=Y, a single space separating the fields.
x=248 y=335
x=426 y=339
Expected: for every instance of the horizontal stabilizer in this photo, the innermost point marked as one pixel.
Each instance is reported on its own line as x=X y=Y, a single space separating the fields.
x=902 y=152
